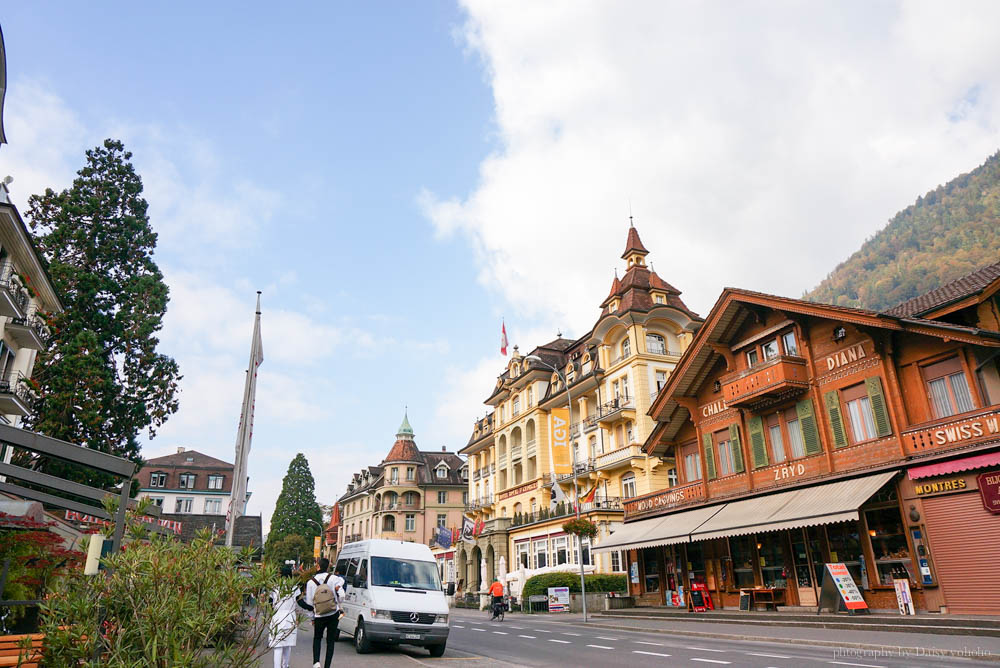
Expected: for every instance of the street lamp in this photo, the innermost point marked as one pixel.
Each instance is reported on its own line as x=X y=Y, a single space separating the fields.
x=576 y=489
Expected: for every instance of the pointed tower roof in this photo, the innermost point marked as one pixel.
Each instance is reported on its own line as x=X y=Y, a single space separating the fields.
x=616 y=285
x=405 y=430
x=634 y=244
x=404 y=449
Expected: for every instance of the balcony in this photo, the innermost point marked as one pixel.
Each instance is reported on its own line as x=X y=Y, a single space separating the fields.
x=955 y=431
x=515 y=453
x=777 y=378
x=353 y=538
x=481 y=502
x=615 y=409
x=620 y=358
x=15 y=397
x=613 y=504
x=582 y=467
x=531 y=448
x=30 y=332
x=14 y=296
x=475 y=474
x=502 y=460
x=661 y=351
x=616 y=457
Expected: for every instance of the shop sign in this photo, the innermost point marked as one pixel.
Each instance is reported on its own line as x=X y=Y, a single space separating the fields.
x=633 y=570
x=558 y=599
x=845 y=356
x=940 y=487
x=665 y=500
x=989 y=490
x=838 y=583
x=517 y=490
x=714 y=408
x=560 y=441
x=956 y=432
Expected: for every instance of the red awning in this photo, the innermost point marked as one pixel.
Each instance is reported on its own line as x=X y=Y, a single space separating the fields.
x=955 y=465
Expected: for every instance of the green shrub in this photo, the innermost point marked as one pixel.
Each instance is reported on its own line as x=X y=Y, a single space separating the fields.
x=599 y=582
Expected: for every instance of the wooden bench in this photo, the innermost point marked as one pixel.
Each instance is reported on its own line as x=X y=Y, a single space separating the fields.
x=13 y=651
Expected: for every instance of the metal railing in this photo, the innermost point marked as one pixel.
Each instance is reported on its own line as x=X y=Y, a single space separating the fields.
x=611 y=503
x=11 y=282
x=15 y=383
x=619 y=455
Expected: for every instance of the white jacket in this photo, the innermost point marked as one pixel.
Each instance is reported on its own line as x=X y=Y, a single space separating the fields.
x=335 y=581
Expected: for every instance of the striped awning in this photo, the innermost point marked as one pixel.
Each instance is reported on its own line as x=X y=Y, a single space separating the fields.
x=664 y=530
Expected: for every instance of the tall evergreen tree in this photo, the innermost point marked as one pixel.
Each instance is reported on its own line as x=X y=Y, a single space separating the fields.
x=296 y=509
x=101 y=381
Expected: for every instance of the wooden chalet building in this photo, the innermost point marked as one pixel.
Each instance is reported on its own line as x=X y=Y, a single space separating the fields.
x=806 y=434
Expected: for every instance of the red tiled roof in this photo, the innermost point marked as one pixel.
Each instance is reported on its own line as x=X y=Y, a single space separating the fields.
x=181 y=459
x=959 y=289
x=634 y=244
x=403 y=450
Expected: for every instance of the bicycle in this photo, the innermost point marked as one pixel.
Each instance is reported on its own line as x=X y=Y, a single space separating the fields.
x=497 y=610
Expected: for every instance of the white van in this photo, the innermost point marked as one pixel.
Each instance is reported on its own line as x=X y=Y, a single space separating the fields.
x=393 y=595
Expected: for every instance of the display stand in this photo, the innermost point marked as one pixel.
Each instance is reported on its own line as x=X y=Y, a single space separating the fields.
x=839 y=591
x=701 y=600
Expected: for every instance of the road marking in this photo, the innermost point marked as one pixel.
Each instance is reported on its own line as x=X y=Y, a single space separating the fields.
x=483 y=630
x=564 y=642
x=456 y=626
x=542 y=631
x=600 y=646
x=532 y=637
x=770 y=656
x=643 y=642
x=636 y=651
x=709 y=660
x=501 y=633
x=864 y=665
x=566 y=633
x=705 y=649
x=605 y=638
x=519 y=628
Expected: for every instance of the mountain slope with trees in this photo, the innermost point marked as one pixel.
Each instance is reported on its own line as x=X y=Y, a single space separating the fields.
x=949 y=232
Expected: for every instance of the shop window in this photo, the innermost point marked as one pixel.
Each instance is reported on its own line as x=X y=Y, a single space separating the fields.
x=696 y=562
x=742 y=550
x=892 y=556
x=628 y=486
x=789 y=343
x=651 y=570
x=523 y=555
x=948 y=388
x=845 y=547
x=541 y=553
x=771 y=552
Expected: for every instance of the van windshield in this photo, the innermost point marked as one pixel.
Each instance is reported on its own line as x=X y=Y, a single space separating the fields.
x=404 y=573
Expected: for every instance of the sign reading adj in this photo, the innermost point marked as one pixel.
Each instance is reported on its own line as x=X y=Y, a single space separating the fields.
x=560 y=442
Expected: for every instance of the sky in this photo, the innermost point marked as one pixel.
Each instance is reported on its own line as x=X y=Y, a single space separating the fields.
x=398 y=178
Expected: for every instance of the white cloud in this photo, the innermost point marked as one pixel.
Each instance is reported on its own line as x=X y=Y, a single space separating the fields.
x=741 y=134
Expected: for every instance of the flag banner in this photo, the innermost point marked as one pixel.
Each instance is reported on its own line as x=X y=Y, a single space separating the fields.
x=444 y=537
x=589 y=498
x=467 y=530
x=503 y=338
x=561 y=464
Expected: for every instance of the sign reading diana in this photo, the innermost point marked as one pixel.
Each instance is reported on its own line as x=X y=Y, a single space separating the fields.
x=517 y=490
x=845 y=357
x=665 y=500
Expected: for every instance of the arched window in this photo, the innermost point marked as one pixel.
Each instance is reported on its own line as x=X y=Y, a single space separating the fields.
x=629 y=433
x=391 y=499
x=517 y=507
x=388 y=523
x=656 y=344
x=626 y=347
x=593 y=447
x=529 y=431
x=628 y=485
x=410 y=498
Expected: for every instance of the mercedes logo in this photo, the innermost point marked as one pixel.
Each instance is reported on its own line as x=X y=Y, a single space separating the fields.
x=414 y=617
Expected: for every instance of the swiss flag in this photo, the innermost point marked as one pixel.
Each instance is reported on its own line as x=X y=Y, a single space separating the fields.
x=503 y=338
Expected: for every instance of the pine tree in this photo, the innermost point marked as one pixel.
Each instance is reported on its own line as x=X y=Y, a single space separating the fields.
x=101 y=381
x=296 y=510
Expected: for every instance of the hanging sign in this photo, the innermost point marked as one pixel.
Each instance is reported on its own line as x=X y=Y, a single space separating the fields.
x=560 y=442
x=839 y=590
x=989 y=490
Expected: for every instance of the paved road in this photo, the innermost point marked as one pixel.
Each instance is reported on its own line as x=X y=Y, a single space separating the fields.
x=544 y=640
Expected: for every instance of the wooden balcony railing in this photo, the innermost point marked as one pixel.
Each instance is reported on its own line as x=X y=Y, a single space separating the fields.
x=781 y=376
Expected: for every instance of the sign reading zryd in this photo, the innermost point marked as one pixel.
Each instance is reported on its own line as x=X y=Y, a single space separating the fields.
x=560 y=442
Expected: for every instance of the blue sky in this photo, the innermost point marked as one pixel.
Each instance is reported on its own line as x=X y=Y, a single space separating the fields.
x=397 y=176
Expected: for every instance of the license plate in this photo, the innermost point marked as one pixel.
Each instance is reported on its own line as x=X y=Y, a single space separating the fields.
x=411 y=636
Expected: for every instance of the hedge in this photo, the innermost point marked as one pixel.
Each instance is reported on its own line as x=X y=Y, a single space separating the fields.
x=539 y=584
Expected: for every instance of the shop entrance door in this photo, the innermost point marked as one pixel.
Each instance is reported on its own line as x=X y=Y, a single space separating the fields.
x=807 y=556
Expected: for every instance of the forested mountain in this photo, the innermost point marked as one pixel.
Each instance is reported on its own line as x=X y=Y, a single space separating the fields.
x=949 y=232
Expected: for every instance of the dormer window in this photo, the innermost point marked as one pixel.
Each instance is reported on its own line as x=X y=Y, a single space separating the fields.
x=659 y=299
x=613 y=306
x=465 y=474
x=441 y=471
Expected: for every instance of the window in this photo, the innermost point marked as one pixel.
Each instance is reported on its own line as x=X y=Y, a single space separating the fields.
x=656 y=344
x=751 y=358
x=394 y=476
x=465 y=498
x=215 y=482
x=541 y=550
x=183 y=505
x=724 y=448
x=626 y=347
x=628 y=432
x=561 y=553
x=187 y=481
x=213 y=506
x=860 y=418
x=465 y=474
x=617 y=562
x=651 y=570
x=671 y=477
x=692 y=463
x=660 y=300
x=742 y=550
x=411 y=522
x=409 y=473
x=158 y=480
x=442 y=472
x=411 y=499
x=442 y=497
x=616 y=390
x=388 y=523
x=776 y=439
x=523 y=555
x=157 y=501
x=442 y=520
x=661 y=380
x=517 y=405
x=948 y=388
x=789 y=343
x=769 y=350
x=795 y=442
x=628 y=485
x=531 y=396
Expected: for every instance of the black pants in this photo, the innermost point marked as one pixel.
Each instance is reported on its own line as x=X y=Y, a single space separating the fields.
x=326 y=625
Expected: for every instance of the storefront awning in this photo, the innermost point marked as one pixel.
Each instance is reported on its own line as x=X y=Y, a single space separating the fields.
x=664 y=530
x=954 y=466
x=810 y=506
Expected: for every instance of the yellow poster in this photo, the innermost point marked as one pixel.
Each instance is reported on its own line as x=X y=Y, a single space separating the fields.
x=561 y=461
x=316 y=546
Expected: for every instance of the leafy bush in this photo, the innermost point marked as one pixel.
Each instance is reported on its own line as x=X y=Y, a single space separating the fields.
x=164 y=603
x=599 y=582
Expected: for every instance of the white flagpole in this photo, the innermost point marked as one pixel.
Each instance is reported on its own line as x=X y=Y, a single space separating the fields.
x=244 y=434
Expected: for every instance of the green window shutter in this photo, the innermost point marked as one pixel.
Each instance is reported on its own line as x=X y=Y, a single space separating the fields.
x=832 y=399
x=876 y=398
x=807 y=425
x=706 y=441
x=755 y=426
x=734 y=443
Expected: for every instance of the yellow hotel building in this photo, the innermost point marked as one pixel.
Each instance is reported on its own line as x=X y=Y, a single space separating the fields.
x=613 y=373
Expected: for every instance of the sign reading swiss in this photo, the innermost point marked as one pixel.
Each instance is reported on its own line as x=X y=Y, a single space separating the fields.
x=989 y=490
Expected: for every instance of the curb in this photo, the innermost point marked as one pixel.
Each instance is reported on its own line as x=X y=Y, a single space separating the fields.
x=895 y=649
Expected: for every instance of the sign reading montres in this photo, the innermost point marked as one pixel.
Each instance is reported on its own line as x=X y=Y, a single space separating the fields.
x=989 y=490
x=664 y=500
x=941 y=487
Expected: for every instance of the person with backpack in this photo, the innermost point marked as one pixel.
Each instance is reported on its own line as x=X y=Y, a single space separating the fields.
x=324 y=592
x=284 y=622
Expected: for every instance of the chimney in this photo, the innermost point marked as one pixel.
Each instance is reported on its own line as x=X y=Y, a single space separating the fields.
x=180 y=450
x=442 y=449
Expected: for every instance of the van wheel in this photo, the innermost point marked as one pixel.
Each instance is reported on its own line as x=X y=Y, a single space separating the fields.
x=361 y=643
x=437 y=650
